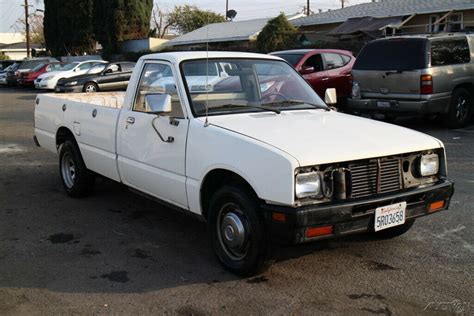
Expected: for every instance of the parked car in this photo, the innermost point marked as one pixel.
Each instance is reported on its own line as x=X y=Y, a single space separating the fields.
x=4 y=73
x=323 y=68
x=260 y=167
x=49 y=80
x=424 y=74
x=101 y=77
x=28 y=64
x=5 y=63
x=11 y=74
x=27 y=79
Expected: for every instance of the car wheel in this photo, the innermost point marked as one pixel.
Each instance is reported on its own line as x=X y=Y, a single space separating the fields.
x=90 y=87
x=237 y=231
x=460 y=109
x=394 y=231
x=77 y=180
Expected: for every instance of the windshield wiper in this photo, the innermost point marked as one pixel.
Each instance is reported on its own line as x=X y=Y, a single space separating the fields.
x=296 y=102
x=232 y=105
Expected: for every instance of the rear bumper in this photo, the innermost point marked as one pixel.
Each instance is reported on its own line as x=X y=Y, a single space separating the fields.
x=351 y=217
x=429 y=106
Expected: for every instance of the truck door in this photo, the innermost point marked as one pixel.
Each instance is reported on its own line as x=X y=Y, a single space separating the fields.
x=146 y=162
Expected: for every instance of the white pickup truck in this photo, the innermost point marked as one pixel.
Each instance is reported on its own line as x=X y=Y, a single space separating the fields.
x=256 y=153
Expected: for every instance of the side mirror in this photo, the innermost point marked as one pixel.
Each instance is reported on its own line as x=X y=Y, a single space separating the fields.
x=158 y=103
x=330 y=96
x=307 y=70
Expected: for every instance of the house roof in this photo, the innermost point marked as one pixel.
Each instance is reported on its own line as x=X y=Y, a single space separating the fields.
x=225 y=31
x=222 y=32
x=385 y=8
x=19 y=45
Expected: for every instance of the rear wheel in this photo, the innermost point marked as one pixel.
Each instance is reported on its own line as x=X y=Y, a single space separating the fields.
x=460 y=109
x=77 y=180
x=394 y=231
x=90 y=87
x=237 y=231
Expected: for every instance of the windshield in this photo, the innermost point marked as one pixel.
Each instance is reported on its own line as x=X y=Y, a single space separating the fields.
x=97 y=68
x=242 y=85
x=293 y=59
x=69 y=66
x=393 y=54
x=35 y=69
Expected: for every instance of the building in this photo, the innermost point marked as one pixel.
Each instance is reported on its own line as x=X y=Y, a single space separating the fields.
x=18 y=50
x=387 y=17
x=235 y=35
x=151 y=43
x=10 y=38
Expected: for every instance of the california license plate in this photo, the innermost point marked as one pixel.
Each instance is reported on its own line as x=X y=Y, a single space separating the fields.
x=390 y=216
x=383 y=104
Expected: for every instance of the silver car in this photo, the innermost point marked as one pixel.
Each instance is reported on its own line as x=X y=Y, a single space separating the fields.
x=422 y=74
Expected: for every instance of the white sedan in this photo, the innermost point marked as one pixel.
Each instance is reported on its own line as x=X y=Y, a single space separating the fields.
x=50 y=79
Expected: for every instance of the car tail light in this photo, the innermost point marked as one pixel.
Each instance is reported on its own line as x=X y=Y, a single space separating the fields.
x=319 y=231
x=426 y=82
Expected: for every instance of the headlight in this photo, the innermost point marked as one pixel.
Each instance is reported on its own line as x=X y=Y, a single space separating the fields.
x=308 y=184
x=429 y=165
x=355 y=90
x=72 y=83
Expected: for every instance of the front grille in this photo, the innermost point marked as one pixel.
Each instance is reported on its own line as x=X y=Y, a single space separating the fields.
x=376 y=176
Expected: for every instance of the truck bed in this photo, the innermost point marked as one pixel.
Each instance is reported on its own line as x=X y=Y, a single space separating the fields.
x=107 y=99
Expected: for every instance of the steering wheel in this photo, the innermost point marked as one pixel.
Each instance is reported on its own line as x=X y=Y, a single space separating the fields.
x=266 y=97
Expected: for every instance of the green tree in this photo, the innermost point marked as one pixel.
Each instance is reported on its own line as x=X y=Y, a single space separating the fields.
x=116 y=21
x=278 y=34
x=188 y=18
x=68 y=27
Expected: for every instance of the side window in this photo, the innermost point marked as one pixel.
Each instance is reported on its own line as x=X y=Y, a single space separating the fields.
x=314 y=61
x=346 y=59
x=157 y=79
x=333 y=61
x=85 y=66
x=450 y=52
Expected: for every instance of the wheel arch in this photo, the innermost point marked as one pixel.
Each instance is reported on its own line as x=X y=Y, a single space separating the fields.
x=216 y=178
x=465 y=85
x=63 y=133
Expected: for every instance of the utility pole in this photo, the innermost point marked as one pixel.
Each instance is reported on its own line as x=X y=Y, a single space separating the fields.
x=226 y=8
x=343 y=2
x=307 y=8
x=27 y=28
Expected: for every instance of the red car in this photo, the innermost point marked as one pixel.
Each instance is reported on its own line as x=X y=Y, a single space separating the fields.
x=27 y=79
x=323 y=68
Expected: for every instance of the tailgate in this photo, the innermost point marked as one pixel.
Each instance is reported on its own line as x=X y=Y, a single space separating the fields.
x=389 y=84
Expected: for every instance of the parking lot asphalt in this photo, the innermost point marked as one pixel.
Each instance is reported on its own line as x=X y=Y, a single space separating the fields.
x=119 y=253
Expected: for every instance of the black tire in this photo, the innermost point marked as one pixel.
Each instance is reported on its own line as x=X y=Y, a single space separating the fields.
x=90 y=87
x=251 y=256
x=460 y=109
x=77 y=180
x=394 y=231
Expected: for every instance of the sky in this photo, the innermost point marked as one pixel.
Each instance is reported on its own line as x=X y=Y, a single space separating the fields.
x=11 y=10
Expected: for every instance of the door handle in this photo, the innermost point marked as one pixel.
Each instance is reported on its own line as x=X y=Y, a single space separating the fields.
x=325 y=79
x=130 y=120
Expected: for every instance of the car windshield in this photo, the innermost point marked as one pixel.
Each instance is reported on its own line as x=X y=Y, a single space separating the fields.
x=245 y=85
x=96 y=68
x=69 y=66
x=393 y=54
x=293 y=59
x=38 y=67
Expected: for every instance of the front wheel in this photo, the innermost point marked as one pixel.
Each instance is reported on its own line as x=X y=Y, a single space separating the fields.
x=77 y=180
x=237 y=231
x=460 y=109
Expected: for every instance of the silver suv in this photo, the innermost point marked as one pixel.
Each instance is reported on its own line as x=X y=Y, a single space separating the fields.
x=423 y=74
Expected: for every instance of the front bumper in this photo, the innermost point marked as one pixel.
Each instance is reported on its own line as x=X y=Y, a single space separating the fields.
x=351 y=217
x=429 y=106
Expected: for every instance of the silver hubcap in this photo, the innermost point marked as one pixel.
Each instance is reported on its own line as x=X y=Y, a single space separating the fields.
x=68 y=170
x=461 y=108
x=90 y=88
x=233 y=231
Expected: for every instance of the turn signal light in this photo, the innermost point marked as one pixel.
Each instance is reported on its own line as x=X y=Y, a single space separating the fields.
x=435 y=206
x=319 y=231
x=279 y=217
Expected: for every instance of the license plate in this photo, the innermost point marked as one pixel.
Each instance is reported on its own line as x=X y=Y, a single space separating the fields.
x=390 y=216
x=383 y=104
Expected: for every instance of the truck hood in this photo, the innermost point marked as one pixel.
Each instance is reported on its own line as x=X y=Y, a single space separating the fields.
x=318 y=137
